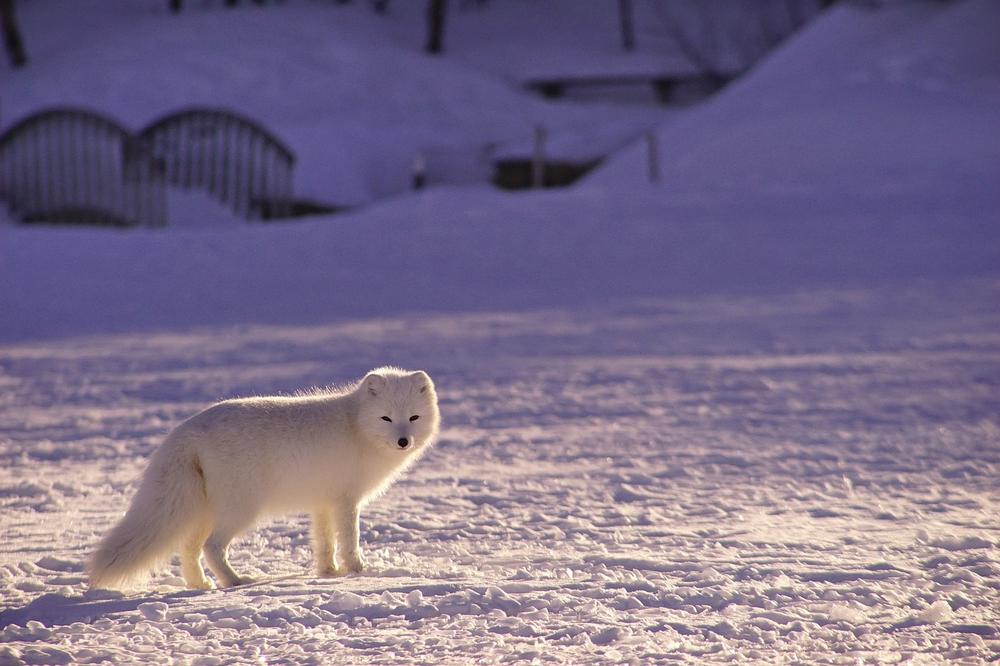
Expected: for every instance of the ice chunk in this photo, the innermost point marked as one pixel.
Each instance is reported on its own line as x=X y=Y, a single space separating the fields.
x=344 y=601
x=154 y=610
x=58 y=564
x=781 y=581
x=937 y=612
x=842 y=613
x=608 y=636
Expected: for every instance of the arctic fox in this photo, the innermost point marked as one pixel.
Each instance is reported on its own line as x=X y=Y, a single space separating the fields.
x=329 y=452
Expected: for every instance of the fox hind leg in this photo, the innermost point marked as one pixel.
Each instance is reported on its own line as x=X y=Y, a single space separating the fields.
x=194 y=574
x=217 y=550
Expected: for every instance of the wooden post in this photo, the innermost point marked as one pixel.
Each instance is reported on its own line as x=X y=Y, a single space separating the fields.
x=653 y=153
x=538 y=159
x=419 y=172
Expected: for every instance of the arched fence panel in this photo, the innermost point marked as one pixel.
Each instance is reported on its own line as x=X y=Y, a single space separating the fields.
x=235 y=159
x=73 y=165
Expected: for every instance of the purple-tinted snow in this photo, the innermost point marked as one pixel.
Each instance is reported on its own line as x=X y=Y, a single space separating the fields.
x=746 y=414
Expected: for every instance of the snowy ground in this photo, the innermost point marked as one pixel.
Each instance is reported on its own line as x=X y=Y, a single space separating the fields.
x=749 y=412
x=808 y=478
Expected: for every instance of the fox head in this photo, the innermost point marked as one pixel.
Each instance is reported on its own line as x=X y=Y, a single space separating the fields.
x=398 y=409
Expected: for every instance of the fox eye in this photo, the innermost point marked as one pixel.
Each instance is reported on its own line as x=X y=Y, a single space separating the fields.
x=386 y=418
x=415 y=417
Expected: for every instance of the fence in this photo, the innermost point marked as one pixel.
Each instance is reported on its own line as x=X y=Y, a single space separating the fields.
x=232 y=157
x=74 y=165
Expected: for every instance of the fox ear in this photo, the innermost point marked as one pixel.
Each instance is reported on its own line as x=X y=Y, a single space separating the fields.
x=423 y=380
x=374 y=383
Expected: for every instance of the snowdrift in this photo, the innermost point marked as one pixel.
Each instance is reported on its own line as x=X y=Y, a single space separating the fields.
x=903 y=98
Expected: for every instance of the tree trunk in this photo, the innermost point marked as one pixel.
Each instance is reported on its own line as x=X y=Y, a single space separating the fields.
x=628 y=28
x=12 y=34
x=435 y=25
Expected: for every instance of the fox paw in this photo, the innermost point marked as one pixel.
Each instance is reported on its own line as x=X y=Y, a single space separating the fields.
x=237 y=581
x=355 y=564
x=203 y=584
x=330 y=571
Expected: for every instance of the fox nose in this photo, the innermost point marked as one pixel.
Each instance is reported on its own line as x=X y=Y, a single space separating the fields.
x=403 y=442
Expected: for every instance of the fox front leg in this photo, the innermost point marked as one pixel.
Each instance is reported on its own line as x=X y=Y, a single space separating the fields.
x=324 y=542
x=346 y=516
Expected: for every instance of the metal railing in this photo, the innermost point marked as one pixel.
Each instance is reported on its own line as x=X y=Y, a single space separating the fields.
x=232 y=157
x=67 y=165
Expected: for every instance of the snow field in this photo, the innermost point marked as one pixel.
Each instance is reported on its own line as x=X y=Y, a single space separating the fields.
x=813 y=482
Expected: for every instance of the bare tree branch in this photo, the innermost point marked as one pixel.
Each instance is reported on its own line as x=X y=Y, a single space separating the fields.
x=12 y=39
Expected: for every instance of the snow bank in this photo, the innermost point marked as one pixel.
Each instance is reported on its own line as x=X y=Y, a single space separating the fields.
x=471 y=249
x=904 y=98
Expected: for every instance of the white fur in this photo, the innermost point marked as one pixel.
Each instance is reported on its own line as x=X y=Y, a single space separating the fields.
x=328 y=453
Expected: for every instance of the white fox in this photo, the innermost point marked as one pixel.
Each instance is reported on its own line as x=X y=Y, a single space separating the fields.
x=328 y=452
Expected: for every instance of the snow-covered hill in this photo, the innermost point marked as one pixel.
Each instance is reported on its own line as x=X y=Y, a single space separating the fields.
x=861 y=103
x=355 y=107
x=474 y=249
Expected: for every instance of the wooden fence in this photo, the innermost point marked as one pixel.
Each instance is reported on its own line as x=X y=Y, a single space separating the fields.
x=64 y=165
x=235 y=159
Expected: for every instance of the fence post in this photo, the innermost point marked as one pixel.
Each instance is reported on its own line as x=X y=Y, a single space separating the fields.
x=538 y=158
x=418 y=177
x=653 y=155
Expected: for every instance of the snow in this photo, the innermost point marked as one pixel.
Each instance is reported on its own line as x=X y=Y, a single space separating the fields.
x=354 y=107
x=939 y=611
x=511 y=537
x=741 y=415
x=154 y=610
x=862 y=103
